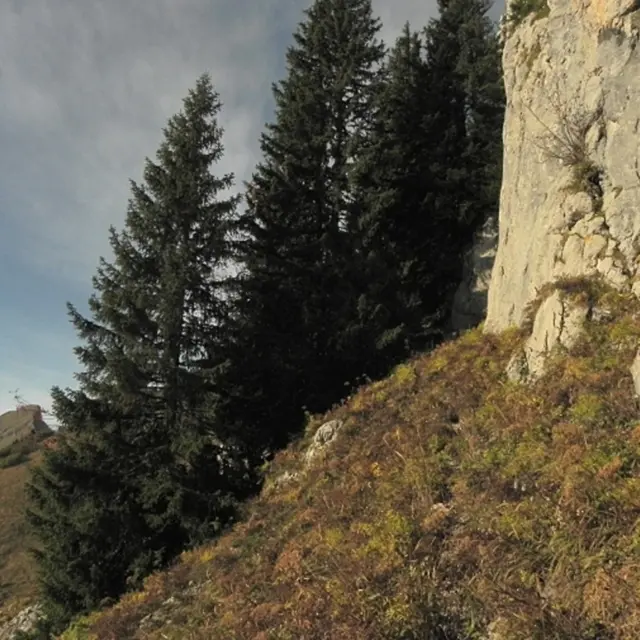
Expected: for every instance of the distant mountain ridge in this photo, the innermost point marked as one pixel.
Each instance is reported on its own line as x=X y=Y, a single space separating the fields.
x=23 y=435
x=22 y=423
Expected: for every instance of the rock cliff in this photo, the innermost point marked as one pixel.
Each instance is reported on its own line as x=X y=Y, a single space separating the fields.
x=470 y=301
x=571 y=179
x=22 y=423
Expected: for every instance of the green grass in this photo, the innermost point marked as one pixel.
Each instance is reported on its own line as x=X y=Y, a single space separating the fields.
x=451 y=500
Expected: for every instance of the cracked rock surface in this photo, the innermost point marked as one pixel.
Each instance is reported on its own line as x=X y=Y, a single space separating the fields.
x=558 y=323
x=578 y=66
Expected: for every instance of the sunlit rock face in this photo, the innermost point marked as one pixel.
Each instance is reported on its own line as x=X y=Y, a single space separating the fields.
x=570 y=199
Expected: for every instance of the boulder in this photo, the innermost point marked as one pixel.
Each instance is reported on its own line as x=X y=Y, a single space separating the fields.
x=322 y=438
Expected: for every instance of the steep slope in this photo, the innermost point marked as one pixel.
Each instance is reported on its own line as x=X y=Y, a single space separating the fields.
x=444 y=502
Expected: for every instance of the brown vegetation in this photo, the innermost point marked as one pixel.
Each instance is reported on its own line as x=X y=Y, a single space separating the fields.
x=451 y=501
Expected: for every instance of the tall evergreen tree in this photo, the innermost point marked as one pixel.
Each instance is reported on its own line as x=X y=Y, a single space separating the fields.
x=430 y=174
x=480 y=65
x=140 y=471
x=465 y=123
x=403 y=242
x=296 y=345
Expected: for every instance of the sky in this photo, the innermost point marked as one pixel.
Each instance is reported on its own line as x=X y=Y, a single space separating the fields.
x=86 y=87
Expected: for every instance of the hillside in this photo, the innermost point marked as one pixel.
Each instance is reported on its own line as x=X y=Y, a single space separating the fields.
x=17 y=569
x=445 y=503
x=22 y=434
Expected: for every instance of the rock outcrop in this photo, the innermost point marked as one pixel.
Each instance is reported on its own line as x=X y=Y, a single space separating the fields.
x=558 y=322
x=322 y=439
x=320 y=444
x=24 y=622
x=22 y=423
x=571 y=179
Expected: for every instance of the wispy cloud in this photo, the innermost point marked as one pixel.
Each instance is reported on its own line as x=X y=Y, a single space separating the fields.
x=85 y=89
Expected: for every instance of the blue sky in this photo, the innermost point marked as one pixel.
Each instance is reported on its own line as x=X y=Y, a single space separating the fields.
x=85 y=89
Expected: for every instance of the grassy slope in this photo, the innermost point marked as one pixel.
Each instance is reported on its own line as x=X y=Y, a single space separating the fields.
x=450 y=500
x=17 y=570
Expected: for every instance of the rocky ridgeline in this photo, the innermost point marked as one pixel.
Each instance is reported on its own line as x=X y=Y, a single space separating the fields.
x=24 y=422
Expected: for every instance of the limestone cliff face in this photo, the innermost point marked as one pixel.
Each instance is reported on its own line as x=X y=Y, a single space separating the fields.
x=570 y=199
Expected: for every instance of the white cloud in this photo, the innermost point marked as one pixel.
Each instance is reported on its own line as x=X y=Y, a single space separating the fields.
x=85 y=89
x=87 y=86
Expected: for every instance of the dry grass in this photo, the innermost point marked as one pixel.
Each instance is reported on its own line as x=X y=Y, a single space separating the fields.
x=451 y=500
x=18 y=583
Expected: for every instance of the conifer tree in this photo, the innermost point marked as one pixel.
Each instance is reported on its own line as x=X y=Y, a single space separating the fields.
x=430 y=174
x=465 y=123
x=403 y=243
x=140 y=471
x=296 y=297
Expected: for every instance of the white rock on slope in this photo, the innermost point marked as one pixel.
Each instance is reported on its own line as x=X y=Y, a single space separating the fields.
x=23 y=622
x=558 y=323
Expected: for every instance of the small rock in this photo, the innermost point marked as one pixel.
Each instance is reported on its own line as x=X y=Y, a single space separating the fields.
x=23 y=622
x=601 y=314
x=635 y=373
x=323 y=437
x=284 y=479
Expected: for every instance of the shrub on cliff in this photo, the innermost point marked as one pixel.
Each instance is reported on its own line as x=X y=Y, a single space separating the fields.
x=521 y=9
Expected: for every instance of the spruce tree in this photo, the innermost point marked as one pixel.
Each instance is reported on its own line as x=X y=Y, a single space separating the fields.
x=430 y=173
x=465 y=122
x=140 y=471
x=480 y=65
x=403 y=243
x=299 y=345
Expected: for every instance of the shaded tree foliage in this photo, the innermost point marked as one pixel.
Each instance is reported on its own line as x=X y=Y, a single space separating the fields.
x=298 y=342
x=140 y=471
x=430 y=173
